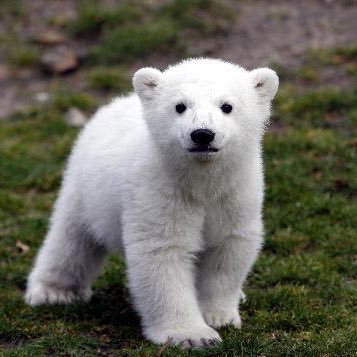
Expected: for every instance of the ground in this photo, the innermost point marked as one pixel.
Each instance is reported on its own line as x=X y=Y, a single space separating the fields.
x=302 y=292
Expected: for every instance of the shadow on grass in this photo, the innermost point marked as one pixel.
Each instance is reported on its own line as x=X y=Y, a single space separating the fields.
x=110 y=306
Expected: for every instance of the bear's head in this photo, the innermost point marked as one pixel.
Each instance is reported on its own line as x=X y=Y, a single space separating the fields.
x=203 y=109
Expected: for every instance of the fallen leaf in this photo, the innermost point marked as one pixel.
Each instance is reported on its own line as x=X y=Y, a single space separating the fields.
x=23 y=248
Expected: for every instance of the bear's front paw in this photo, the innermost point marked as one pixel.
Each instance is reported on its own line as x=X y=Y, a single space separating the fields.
x=184 y=336
x=42 y=293
x=218 y=318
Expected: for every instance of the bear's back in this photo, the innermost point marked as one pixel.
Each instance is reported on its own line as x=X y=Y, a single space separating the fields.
x=114 y=127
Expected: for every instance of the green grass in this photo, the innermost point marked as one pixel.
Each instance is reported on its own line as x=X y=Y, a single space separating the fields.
x=316 y=61
x=127 y=43
x=10 y=10
x=93 y=17
x=64 y=99
x=346 y=57
x=302 y=293
x=23 y=56
x=333 y=56
x=324 y=108
x=18 y=52
x=136 y=29
x=109 y=79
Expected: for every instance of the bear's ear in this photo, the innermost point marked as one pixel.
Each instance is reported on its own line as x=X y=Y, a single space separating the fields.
x=266 y=82
x=145 y=82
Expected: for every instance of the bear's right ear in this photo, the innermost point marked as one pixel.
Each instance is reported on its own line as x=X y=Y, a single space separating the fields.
x=145 y=82
x=265 y=82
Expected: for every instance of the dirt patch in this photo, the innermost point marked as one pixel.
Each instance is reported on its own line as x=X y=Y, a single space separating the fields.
x=282 y=31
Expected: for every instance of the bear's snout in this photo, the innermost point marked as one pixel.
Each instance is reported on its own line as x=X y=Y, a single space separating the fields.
x=202 y=137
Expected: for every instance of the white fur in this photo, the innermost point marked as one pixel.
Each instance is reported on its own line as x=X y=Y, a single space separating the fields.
x=190 y=224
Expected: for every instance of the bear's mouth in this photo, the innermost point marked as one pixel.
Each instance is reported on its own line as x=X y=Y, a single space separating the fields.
x=203 y=149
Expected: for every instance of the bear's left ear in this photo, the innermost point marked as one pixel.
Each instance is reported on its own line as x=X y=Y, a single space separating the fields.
x=266 y=82
x=145 y=82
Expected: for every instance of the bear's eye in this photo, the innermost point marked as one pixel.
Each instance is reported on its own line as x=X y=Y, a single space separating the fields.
x=180 y=108
x=226 y=108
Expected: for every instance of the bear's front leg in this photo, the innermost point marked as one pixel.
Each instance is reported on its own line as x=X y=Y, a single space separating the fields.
x=222 y=272
x=160 y=260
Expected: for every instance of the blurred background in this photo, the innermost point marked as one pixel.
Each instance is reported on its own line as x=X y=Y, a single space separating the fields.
x=62 y=59
x=93 y=47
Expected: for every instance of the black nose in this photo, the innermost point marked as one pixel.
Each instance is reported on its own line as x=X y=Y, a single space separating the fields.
x=202 y=136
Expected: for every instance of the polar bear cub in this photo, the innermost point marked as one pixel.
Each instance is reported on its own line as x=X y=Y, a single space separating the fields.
x=172 y=176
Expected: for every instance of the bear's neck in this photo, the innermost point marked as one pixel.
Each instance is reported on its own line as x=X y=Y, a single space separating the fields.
x=202 y=179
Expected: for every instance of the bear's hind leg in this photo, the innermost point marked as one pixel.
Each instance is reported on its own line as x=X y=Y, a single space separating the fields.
x=68 y=262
